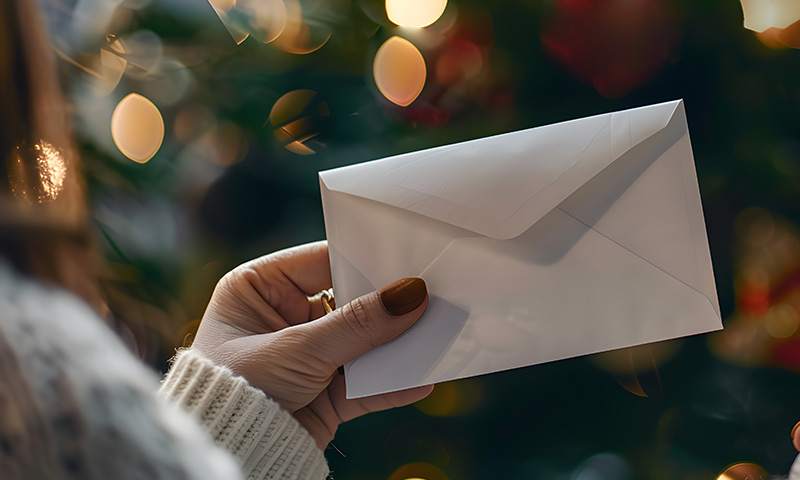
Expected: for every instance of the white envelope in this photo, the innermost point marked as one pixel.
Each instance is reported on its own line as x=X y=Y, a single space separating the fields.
x=537 y=245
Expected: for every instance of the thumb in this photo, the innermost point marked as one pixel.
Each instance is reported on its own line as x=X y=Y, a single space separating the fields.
x=367 y=321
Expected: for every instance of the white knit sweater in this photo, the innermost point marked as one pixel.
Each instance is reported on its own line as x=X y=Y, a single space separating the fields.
x=74 y=404
x=264 y=438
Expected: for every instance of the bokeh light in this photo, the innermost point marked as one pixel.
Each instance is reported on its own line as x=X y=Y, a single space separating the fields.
x=760 y=15
x=265 y=19
x=614 y=46
x=298 y=117
x=765 y=327
x=221 y=8
x=211 y=146
x=460 y=60
x=49 y=176
x=603 y=466
x=420 y=470
x=105 y=70
x=137 y=128
x=780 y=38
x=112 y=65
x=144 y=51
x=451 y=399
x=169 y=83
x=755 y=227
x=297 y=37
x=636 y=368
x=415 y=13
x=192 y=121
x=399 y=71
x=226 y=143
x=744 y=471
x=781 y=321
x=223 y=5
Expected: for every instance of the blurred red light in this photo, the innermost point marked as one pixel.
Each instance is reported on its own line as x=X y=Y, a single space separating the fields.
x=614 y=45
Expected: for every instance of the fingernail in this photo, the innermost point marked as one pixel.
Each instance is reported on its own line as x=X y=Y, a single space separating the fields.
x=795 y=428
x=403 y=296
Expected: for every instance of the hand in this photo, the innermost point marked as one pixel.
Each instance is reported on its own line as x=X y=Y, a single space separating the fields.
x=262 y=325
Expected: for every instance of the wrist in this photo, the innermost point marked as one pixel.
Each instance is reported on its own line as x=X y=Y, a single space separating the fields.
x=240 y=418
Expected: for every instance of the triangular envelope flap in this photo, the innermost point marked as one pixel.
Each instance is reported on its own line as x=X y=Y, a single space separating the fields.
x=657 y=214
x=499 y=186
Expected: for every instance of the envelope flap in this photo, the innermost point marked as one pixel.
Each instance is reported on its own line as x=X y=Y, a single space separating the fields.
x=499 y=186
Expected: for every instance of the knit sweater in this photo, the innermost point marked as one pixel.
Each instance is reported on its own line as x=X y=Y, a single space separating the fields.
x=264 y=438
x=74 y=404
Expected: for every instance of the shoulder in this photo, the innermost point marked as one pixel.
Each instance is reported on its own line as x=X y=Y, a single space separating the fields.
x=54 y=337
x=41 y=320
x=77 y=403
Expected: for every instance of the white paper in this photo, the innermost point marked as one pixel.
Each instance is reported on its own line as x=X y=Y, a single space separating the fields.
x=537 y=245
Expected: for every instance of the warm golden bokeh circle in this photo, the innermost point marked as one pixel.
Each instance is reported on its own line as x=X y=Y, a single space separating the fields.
x=415 y=13
x=399 y=71
x=137 y=128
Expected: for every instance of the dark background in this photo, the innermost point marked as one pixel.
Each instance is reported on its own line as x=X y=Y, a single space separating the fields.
x=223 y=189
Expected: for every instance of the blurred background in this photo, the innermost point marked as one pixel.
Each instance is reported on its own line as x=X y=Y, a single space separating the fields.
x=203 y=123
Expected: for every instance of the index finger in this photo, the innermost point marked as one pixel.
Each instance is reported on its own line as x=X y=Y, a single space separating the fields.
x=307 y=266
x=285 y=280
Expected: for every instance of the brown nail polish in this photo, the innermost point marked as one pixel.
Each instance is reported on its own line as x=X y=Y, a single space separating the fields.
x=403 y=296
x=795 y=428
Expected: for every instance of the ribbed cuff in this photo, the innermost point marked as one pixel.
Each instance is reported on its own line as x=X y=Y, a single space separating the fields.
x=266 y=440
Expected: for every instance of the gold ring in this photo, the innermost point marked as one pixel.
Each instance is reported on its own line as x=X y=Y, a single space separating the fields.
x=327 y=300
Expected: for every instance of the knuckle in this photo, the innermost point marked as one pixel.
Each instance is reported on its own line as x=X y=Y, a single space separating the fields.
x=237 y=277
x=247 y=275
x=252 y=279
x=358 y=317
x=228 y=280
x=249 y=272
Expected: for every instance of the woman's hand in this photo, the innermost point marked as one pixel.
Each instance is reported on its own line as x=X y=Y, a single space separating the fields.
x=262 y=324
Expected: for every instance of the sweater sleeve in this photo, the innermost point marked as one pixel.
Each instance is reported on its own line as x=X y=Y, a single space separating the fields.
x=265 y=439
